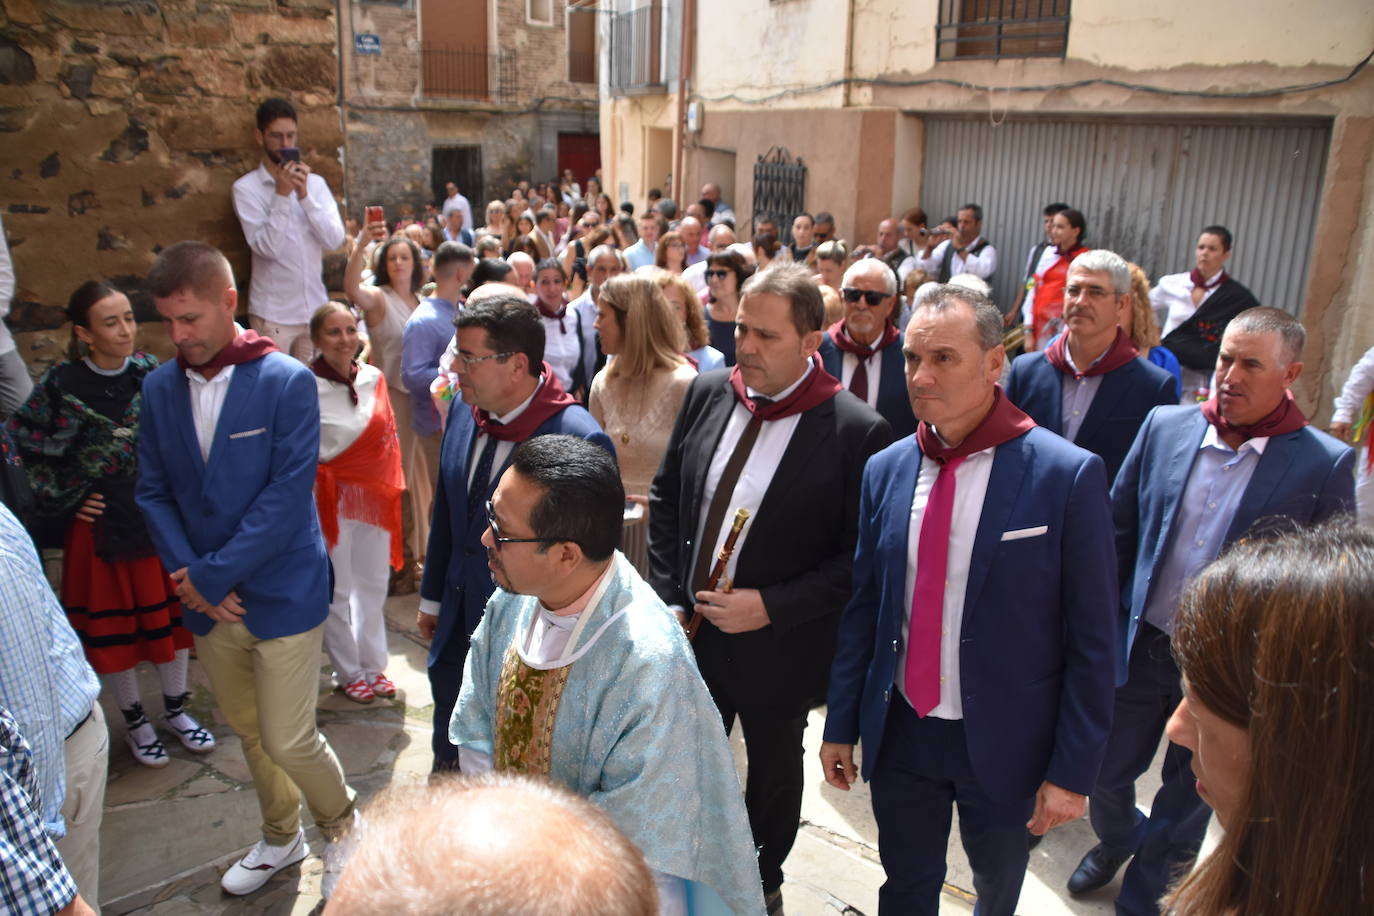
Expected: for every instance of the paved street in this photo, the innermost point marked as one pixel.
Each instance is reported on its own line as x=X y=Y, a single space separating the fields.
x=169 y=833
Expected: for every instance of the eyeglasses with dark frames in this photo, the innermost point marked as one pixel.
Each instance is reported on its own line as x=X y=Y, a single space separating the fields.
x=870 y=296
x=501 y=539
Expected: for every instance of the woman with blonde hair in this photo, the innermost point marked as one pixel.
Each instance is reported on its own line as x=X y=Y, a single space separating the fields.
x=637 y=396
x=687 y=308
x=1275 y=641
x=832 y=257
x=1143 y=328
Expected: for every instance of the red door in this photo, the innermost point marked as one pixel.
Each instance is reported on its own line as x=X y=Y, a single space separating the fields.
x=581 y=153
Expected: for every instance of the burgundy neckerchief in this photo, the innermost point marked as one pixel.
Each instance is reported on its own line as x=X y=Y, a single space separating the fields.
x=244 y=348
x=1077 y=249
x=1121 y=352
x=327 y=372
x=1004 y=422
x=818 y=387
x=1283 y=419
x=1197 y=278
x=549 y=399
x=862 y=351
x=551 y=313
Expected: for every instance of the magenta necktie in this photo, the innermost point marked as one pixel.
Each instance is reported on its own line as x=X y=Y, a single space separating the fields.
x=928 y=597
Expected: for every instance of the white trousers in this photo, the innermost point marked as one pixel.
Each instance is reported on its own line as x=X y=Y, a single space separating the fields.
x=355 y=633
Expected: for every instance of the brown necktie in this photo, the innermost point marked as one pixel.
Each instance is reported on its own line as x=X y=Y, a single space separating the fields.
x=720 y=501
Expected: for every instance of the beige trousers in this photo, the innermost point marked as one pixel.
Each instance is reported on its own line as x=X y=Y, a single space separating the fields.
x=294 y=339
x=267 y=690
x=86 y=755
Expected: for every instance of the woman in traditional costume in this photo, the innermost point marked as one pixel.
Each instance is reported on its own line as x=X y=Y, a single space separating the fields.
x=358 y=493
x=78 y=435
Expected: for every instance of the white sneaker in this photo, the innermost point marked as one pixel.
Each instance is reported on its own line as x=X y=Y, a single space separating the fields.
x=336 y=856
x=262 y=862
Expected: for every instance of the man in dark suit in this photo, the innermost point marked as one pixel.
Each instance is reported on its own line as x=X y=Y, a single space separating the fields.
x=759 y=437
x=1196 y=479
x=1090 y=385
x=864 y=349
x=966 y=680
x=1195 y=307
x=510 y=394
x=228 y=444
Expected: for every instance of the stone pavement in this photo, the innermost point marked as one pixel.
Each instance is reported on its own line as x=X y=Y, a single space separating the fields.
x=168 y=834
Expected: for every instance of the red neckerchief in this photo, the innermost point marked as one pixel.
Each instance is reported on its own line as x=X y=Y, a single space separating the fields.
x=1196 y=277
x=1283 y=419
x=818 y=387
x=1003 y=423
x=325 y=371
x=848 y=344
x=552 y=313
x=1121 y=352
x=244 y=348
x=549 y=399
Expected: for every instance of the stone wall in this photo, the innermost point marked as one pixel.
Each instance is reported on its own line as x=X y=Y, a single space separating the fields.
x=126 y=123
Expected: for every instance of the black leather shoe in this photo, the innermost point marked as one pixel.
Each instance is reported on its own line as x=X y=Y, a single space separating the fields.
x=1097 y=869
x=773 y=902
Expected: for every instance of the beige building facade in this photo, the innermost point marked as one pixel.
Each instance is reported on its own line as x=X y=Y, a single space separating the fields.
x=1154 y=120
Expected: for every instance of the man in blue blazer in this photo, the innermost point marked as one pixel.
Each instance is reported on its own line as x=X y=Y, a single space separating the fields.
x=967 y=680
x=864 y=349
x=1090 y=385
x=1196 y=479
x=228 y=445
x=509 y=394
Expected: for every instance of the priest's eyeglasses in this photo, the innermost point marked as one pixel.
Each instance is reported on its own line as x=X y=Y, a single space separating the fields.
x=500 y=539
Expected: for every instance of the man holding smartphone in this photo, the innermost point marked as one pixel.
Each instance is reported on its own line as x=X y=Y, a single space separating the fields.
x=290 y=219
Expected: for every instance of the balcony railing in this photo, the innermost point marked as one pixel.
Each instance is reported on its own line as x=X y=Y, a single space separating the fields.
x=636 y=59
x=467 y=73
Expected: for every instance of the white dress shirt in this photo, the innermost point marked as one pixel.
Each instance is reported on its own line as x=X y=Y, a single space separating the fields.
x=1172 y=299
x=970 y=488
x=458 y=202
x=875 y=369
x=981 y=264
x=756 y=474
x=288 y=236
x=1356 y=388
x=207 y=402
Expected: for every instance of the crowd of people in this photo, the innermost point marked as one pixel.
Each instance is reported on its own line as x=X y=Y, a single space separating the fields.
x=653 y=477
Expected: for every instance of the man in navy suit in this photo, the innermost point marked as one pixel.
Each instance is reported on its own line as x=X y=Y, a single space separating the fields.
x=968 y=681
x=1196 y=479
x=864 y=349
x=228 y=445
x=509 y=395
x=1090 y=385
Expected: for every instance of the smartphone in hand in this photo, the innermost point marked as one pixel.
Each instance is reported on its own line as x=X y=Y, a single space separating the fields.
x=289 y=154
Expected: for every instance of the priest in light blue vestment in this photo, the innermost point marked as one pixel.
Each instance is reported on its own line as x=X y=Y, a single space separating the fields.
x=579 y=672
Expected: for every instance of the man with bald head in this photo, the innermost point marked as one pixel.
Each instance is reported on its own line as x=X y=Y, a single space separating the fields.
x=523 y=265
x=721 y=237
x=863 y=350
x=722 y=213
x=494 y=843
x=969 y=682
x=508 y=394
x=690 y=229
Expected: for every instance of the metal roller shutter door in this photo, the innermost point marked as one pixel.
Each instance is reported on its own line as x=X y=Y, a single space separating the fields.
x=1145 y=187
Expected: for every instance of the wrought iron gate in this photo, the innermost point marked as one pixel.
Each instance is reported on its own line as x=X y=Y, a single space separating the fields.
x=779 y=190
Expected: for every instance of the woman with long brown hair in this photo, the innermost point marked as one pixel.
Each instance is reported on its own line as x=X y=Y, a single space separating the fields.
x=637 y=396
x=1275 y=641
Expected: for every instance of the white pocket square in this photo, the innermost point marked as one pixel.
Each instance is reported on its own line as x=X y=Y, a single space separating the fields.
x=1020 y=533
x=248 y=432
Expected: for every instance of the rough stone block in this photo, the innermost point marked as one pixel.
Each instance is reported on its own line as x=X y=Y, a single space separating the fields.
x=216 y=74
x=199 y=29
x=138 y=18
x=24 y=11
x=297 y=68
x=16 y=64
x=261 y=29
x=211 y=125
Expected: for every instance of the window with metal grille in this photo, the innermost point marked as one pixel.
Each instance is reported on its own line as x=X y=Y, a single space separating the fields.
x=1002 y=28
x=779 y=190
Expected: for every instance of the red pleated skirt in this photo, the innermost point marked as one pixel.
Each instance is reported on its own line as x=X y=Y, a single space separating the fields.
x=125 y=613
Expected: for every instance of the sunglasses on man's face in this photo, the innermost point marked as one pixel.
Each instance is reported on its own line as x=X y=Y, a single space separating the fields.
x=870 y=296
